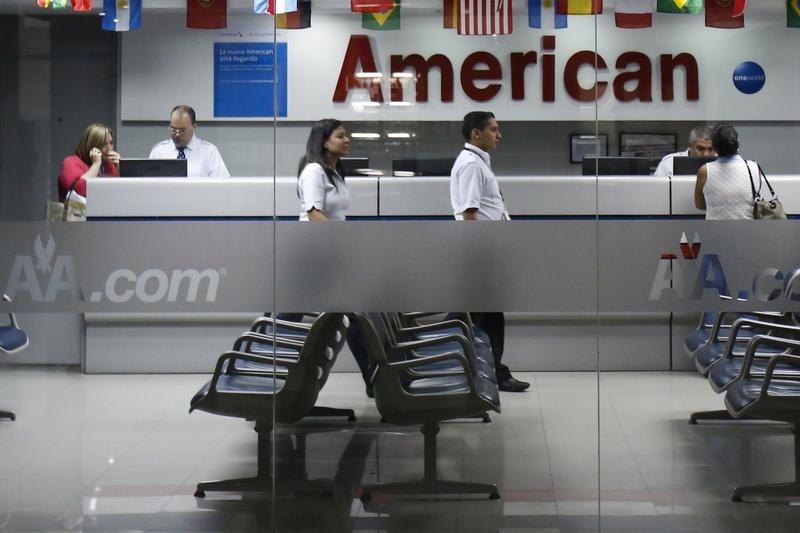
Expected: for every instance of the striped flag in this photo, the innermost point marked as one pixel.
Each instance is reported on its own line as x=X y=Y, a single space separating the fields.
x=281 y=6
x=691 y=7
x=633 y=14
x=81 y=5
x=579 y=7
x=370 y=6
x=793 y=13
x=386 y=20
x=295 y=20
x=450 y=13
x=542 y=14
x=719 y=14
x=122 y=15
x=485 y=17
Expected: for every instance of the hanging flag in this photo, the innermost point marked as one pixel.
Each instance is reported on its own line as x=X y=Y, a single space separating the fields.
x=450 y=12
x=281 y=6
x=633 y=14
x=485 y=17
x=793 y=13
x=690 y=7
x=579 y=7
x=719 y=14
x=738 y=7
x=43 y=3
x=122 y=15
x=386 y=20
x=59 y=4
x=542 y=14
x=370 y=6
x=296 y=20
x=260 y=7
x=81 y=5
x=207 y=14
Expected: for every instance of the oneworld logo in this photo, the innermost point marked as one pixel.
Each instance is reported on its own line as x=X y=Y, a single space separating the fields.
x=749 y=77
x=689 y=277
x=45 y=276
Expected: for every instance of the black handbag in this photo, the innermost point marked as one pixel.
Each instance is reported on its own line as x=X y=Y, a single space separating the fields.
x=764 y=209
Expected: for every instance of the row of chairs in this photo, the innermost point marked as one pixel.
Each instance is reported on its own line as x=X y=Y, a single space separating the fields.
x=754 y=359
x=424 y=374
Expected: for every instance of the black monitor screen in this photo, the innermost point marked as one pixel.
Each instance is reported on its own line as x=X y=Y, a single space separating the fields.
x=422 y=167
x=355 y=166
x=616 y=166
x=152 y=168
x=688 y=166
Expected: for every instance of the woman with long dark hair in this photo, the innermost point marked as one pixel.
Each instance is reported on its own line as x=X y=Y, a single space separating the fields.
x=320 y=184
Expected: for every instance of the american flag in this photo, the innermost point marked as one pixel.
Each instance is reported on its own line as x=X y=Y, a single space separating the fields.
x=485 y=17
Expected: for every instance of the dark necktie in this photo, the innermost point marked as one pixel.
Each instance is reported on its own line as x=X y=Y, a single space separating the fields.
x=181 y=154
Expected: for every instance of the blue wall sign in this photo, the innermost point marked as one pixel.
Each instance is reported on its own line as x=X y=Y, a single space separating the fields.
x=250 y=79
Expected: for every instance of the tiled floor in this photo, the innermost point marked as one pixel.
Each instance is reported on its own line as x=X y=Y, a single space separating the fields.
x=122 y=453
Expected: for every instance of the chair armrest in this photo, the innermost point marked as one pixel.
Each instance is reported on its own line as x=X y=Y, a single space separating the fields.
x=230 y=355
x=750 y=354
x=409 y=364
x=260 y=323
x=467 y=331
x=275 y=340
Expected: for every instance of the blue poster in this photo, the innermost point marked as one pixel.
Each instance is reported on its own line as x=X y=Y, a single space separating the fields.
x=250 y=79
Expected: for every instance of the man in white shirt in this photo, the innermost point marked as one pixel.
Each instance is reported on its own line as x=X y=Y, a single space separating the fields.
x=202 y=158
x=475 y=195
x=699 y=146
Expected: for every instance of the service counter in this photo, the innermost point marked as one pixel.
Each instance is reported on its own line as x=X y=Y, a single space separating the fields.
x=177 y=342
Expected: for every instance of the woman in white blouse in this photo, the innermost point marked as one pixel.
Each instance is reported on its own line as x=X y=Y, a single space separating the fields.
x=723 y=188
x=321 y=187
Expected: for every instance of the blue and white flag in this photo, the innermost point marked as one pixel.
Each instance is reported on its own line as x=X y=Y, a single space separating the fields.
x=122 y=15
x=542 y=14
x=274 y=7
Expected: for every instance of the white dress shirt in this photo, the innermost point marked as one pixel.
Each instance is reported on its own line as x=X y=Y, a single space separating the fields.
x=473 y=185
x=665 y=166
x=202 y=157
x=317 y=191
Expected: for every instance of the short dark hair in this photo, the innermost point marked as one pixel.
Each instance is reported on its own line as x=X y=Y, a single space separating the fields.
x=474 y=119
x=725 y=140
x=184 y=110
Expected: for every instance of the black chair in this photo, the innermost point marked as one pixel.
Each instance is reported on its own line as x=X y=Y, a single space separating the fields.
x=403 y=398
x=12 y=340
x=770 y=397
x=289 y=395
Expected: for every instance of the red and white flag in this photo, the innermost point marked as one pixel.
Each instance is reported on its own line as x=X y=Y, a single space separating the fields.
x=81 y=5
x=738 y=7
x=633 y=13
x=370 y=6
x=485 y=17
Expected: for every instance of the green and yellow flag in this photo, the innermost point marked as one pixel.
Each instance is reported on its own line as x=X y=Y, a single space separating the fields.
x=384 y=20
x=793 y=13
x=691 y=7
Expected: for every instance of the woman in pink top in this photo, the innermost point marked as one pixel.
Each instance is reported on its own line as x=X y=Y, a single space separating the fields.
x=94 y=157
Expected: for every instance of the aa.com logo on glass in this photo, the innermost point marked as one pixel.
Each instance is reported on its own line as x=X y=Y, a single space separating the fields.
x=45 y=276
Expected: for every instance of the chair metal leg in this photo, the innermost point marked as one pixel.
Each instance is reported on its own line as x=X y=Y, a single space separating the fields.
x=8 y=414
x=320 y=410
x=430 y=483
x=776 y=492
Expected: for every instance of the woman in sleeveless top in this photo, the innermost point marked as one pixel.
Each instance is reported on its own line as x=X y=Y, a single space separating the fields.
x=723 y=188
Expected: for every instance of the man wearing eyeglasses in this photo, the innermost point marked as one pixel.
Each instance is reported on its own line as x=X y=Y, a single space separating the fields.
x=202 y=157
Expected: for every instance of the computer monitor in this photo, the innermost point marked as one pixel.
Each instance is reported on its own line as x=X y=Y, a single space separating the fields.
x=616 y=166
x=688 y=166
x=152 y=168
x=355 y=166
x=422 y=167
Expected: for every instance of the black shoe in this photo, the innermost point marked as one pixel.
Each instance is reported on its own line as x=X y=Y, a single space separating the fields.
x=513 y=385
x=370 y=390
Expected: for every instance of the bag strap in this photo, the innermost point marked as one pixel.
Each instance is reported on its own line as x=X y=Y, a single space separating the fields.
x=752 y=185
x=66 y=199
x=764 y=177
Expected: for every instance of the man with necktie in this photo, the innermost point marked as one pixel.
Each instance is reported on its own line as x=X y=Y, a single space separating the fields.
x=202 y=157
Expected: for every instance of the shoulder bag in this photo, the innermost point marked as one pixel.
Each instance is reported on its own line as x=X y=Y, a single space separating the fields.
x=764 y=209
x=72 y=209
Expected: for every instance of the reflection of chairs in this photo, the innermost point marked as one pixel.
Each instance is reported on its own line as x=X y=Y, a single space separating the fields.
x=12 y=340
x=254 y=396
x=405 y=398
x=770 y=396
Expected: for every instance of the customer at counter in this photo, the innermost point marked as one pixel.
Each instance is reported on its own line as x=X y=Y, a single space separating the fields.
x=202 y=158
x=722 y=188
x=323 y=195
x=699 y=146
x=94 y=157
x=475 y=195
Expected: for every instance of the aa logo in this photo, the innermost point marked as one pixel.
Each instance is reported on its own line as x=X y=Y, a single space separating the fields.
x=43 y=275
